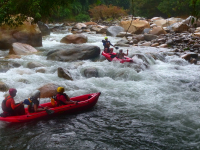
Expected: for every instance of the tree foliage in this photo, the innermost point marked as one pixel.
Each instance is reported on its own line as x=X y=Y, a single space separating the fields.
x=104 y=12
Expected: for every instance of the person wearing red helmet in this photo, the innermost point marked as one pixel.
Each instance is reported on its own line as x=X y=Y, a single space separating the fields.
x=9 y=107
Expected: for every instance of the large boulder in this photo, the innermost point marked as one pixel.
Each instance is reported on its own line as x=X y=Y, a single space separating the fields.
x=77 y=53
x=80 y=26
x=180 y=27
x=114 y=30
x=21 y=49
x=64 y=74
x=74 y=38
x=157 y=31
x=27 y=33
x=48 y=90
x=137 y=26
x=161 y=22
x=43 y=28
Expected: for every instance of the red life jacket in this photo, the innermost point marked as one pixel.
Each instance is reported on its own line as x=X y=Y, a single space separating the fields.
x=3 y=105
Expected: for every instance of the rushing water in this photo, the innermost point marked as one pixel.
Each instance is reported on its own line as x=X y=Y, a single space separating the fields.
x=157 y=108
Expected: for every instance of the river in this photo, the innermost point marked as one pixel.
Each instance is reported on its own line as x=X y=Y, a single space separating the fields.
x=156 y=108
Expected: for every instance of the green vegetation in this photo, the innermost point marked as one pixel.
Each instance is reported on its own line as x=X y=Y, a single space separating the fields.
x=14 y=12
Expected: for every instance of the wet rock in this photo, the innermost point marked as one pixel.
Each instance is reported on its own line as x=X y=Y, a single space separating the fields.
x=41 y=70
x=48 y=90
x=146 y=31
x=188 y=56
x=43 y=28
x=91 y=72
x=155 y=44
x=27 y=33
x=193 y=61
x=139 y=37
x=180 y=27
x=80 y=26
x=149 y=37
x=21 y=49
x=32 y=65
x=124 y=34
x=163 y=46
x=146 y=44
x=24 y=81
x=3 y=87
x=170 y=42
x=196 y=45
x=64 y=74
x=6 y=65
x=82 y=52
x=74 y=38
x=114 y=30
x=122 y=42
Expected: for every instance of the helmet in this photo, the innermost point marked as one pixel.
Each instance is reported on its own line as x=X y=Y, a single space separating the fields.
x=36 y=94
x=106 y=37
x=60 y=89
x=12 y=91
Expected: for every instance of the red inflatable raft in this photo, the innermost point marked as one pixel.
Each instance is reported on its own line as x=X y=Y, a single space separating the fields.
x=112 y=57
x=85 y=102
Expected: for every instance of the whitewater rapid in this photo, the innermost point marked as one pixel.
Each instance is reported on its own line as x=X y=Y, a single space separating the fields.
x=156 y=106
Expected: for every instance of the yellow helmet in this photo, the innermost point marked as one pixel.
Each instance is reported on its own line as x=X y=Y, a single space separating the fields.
x=106 y=37
x=60 y=89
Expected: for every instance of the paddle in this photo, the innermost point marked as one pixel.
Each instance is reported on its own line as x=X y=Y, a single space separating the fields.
x=49 y=111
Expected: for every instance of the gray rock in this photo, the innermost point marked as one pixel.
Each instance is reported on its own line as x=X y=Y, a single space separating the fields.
x=149 y=37
x=32 y=65
x=43 y=28
x=114 y=30
x=64 y=74
x=91 y=72
x=82 y=52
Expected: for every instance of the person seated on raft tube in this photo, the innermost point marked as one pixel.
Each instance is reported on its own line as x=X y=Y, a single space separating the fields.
x=9 y=107
x=62 y=98
x=33 y=102
x=121 y=55
x=106 y=45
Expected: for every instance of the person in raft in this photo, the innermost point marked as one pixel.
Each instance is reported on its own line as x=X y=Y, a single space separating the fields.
x=62 y=98
x=106 y=45
x=121 y=55
x=9 y=107
x=33 y=102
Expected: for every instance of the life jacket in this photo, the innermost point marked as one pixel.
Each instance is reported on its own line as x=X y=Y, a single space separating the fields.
x=56 y=102
x=3 y=105
x=53 y=100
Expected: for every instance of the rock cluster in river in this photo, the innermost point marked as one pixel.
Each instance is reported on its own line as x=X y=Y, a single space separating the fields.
x=174 y=33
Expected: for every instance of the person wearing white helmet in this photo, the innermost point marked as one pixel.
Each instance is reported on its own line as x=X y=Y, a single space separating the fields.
x=33 y=102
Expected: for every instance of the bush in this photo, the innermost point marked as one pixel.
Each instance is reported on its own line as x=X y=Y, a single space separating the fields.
x=104 y=12
x=82 y=17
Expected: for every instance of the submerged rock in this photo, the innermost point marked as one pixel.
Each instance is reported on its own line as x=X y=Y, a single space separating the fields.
x=3 y=87
x=91 y=72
